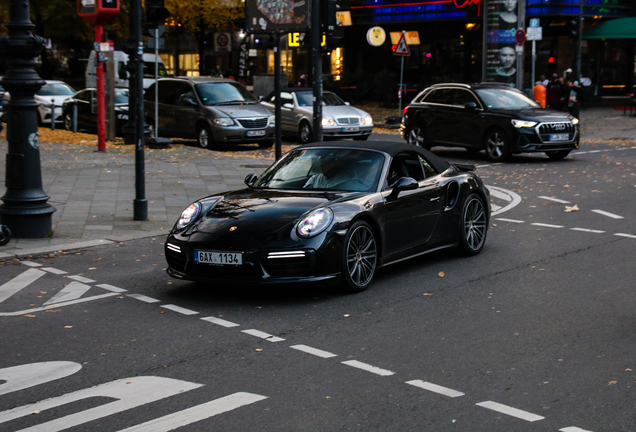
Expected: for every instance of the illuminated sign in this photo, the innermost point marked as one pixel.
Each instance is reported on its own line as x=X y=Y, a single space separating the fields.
x=296 y=39
x=412 y=37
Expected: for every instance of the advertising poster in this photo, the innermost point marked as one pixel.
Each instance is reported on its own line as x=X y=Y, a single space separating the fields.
x=272 y=15
x=502 y=23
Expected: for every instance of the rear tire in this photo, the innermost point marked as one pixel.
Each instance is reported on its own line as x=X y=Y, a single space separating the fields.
x=359 y=257
x=204 y=137
x=416 y=135
x=473 y=226
x=558 y=155
x=496 y=146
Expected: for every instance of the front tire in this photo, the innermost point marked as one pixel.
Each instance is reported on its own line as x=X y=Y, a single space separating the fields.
x=416 y=135
x=496 y=146
x=68 y=121
x=306 y=135
x=204 y=137
x=558 y=154
x=474 y=226
x=359 y=257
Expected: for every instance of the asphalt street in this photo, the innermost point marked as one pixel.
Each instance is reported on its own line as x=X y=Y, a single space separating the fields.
x=537 y=333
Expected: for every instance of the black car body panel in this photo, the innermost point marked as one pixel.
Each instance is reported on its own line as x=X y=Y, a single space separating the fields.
x=261 y=223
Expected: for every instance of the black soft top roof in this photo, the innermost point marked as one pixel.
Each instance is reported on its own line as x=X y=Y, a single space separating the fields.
x=390 y=147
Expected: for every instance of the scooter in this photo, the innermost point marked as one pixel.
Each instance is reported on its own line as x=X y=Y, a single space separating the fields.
x=5 y=235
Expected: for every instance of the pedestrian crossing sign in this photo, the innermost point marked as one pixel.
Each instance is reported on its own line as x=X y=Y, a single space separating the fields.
x=402 y=48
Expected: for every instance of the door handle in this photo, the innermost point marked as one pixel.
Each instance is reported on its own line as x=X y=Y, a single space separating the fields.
x=435 y=199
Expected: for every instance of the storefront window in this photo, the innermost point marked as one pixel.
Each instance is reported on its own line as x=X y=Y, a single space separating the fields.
x=337 y=63
x=188 y=64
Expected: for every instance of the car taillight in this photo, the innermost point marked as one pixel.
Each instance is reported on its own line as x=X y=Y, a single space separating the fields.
x=405 y=109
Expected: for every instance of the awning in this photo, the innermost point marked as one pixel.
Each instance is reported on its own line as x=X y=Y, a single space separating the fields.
x=621 y=28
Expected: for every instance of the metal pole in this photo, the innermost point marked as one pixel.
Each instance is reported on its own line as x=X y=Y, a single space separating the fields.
x=521 y=24
x=277 y=109
x=75 y=118
x=156 y=83
x=484 y=40
x=534 y=59
x=317 y=70
x=400 y=91
x=52 y=114
x=25 y=209
x=101 y=111
x=580 y=43
x=140 y=204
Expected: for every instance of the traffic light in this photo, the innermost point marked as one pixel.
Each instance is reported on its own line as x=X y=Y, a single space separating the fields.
x=328 y=15
x=156 y=13
x=573 y=28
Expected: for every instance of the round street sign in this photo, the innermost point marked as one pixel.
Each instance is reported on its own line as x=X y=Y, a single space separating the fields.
x=520 y=36
x=222 y=41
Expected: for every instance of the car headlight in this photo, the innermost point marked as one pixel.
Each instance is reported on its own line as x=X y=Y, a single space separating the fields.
x=122 y=116
x=188 y=215
x=272 y=120
x=314 y=223
x=328 y=121
x=523 y=123
x=575 y=121
x=367 y=120
x=224 y=121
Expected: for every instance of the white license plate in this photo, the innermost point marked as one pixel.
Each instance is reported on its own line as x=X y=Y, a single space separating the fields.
x=218 y=257
x=351 y=129
x=256 y=133
x=559 y=137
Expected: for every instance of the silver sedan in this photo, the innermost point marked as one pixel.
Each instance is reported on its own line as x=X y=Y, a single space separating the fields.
x=339 y=119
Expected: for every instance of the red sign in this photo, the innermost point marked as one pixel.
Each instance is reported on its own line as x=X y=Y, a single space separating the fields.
x=520 y=37
x=98 y=12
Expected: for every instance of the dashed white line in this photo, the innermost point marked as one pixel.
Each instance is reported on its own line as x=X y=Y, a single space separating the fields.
x=625 y=235
x=220 y=322
x=588 y=230
x=435 y=388
x=368 y=368
x=143 y=298
x=81 y=279
x=554 y=199
x=111 y=288
x=608 y=214
x=514 y=412
x=54 y=270
x=19 y=282
x=313 y=351
x=573 y=429
x=30 y=264
x=179 y=309
x=263 y=335
x=547 y=225
x=509 y=220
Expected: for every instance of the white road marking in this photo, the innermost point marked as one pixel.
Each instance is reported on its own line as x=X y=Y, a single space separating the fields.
x=19 y=282
x=313 y=351
x=368 y=368
x=554 y=199
x=111 y=288
x=220 y=322
x=30 y=264
x=197 y=413
x=72 y=291
x=128 y=393
x=573 y=429
x=587 y=230
x=263 y=335
x=494 y=207
x=547 y=225
x=514 y=412
x=81 y=279
x=435 y=388
x=54 y=270
x=506 y=195
x=510 y=220
x=625 y=235
x=32 y=374
x=596 y=151
x=179 y=309
x=57 y=305
x=611 y=215
x=143 y=298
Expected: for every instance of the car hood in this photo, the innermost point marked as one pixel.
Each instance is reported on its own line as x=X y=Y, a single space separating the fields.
x=242 y=111
x=537 y=114
x=342 y=111
x=251 y=217
x=47 y=99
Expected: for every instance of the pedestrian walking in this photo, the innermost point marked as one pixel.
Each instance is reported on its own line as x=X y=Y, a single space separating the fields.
x=554 y=93
x=574 y=103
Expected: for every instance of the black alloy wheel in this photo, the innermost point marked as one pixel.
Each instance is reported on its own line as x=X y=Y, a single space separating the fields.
x=558 y=154
x=474 y=226
x=359 y=257
x=496 y=146
x=68 y=120
x=306 y=135
x=417 y=136
x=5 y=235
x=204 y=137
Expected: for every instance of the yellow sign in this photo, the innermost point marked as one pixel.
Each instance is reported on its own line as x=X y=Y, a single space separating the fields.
x=293 y=39
x=412 y=37
x=343 y=18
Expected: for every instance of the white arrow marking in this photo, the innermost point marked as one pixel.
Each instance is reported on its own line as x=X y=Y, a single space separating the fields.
x=72 y=291
x=128 y=392
x=506 y=195
x=197 y=413
x=32 y=374
x=19 y=282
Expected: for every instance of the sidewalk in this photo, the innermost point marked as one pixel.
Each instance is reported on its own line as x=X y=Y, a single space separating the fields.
x=94 y=192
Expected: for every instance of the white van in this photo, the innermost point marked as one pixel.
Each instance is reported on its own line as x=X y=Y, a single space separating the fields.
x=121 y=74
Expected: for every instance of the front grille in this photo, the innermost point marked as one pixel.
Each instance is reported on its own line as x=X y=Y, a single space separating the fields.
x=348 y=120
x=547 y=129
x=176 y=260
x=292 y=266
x=244 y=272
x=253 y=123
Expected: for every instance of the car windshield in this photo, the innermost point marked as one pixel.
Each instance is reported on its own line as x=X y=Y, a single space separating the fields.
x=306 y=99
x=56 y=89
x=224 y=93
x=149 y=70
x=505 y=99
x=121 y=97
x=326 y=169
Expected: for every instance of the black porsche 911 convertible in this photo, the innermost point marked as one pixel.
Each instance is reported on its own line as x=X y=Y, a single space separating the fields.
x=331 y=213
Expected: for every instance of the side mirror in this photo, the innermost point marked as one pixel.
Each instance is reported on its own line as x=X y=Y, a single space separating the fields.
x=189 y=102
x=347 y=104
x=261 y=98
x=470 y=106
x=250 y=179
x=403 y=184
x=288 y=105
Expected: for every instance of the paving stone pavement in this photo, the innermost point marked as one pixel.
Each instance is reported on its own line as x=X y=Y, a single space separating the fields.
x=94 y=192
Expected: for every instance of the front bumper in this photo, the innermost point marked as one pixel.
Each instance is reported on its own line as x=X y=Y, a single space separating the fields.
x=538 y=139
x=340 y=132
x=241 y=135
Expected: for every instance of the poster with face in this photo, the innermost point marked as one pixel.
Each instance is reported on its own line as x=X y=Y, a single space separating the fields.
x=502 y=23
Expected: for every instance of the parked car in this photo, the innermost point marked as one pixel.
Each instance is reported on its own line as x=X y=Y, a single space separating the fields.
x=214 y=111
x=491 y=116
x=339 y=120
x=329 y=213
x=52 y=91
x=86 y=102
x=1 y=105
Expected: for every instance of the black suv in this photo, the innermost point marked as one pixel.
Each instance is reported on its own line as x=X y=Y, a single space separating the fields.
x=491 y=116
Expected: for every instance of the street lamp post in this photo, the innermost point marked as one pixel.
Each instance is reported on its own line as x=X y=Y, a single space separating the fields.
x=25 y=209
